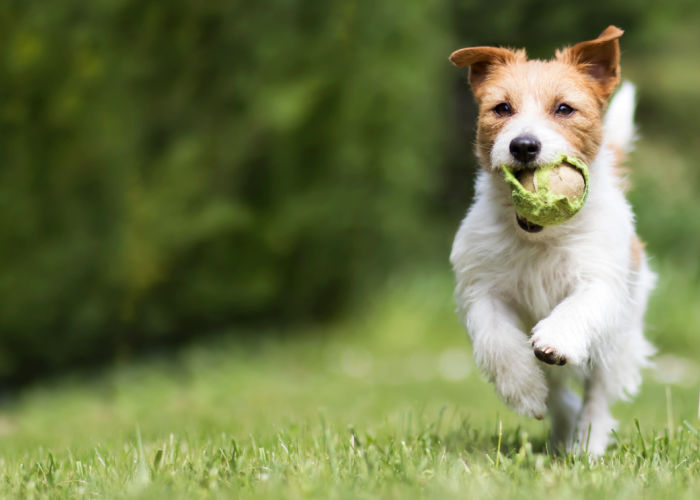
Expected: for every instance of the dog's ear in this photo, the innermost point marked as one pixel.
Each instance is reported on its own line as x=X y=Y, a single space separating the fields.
x=599 y=58
x=480 y=61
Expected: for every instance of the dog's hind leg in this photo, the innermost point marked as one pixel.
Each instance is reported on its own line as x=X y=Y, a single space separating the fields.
x=616 y=374
x=595 y=422
x=564 y=406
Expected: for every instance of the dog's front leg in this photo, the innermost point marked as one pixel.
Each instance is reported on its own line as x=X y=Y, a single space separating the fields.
x=504 y=354
x=568 y=333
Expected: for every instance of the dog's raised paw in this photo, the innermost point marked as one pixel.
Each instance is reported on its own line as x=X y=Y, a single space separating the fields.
x=549 y=355
x=558 y=344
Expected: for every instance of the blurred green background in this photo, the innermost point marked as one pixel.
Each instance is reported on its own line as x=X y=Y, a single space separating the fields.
x=169 y=169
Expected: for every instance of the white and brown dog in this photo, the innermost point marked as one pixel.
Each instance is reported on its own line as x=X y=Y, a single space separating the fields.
x=575 y=293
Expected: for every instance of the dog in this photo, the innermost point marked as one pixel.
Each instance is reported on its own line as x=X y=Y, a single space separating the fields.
x=534 y=298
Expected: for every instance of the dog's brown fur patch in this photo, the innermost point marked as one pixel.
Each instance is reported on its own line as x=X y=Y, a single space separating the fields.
x=542 y=85
x=620 y=169
x=636 y=252
x=598 y=58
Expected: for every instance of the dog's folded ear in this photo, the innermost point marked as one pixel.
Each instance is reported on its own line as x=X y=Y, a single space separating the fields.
x=480 y=60
x=599 y=58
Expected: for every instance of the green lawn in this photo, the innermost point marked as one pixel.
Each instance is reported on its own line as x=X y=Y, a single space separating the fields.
x=386 y=403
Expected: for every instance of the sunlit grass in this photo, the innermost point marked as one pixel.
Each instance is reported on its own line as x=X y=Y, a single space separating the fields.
x=387 y=404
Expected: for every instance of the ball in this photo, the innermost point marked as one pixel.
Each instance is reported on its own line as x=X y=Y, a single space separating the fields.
x=550 y=194
x=564 y=179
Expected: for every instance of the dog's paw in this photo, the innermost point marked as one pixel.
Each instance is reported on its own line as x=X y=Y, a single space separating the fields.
x=549 y=355
x=557 y=346
x=524 y=389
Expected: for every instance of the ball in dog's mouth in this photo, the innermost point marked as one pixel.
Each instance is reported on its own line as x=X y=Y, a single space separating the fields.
x=549 y=194
x=563 y=180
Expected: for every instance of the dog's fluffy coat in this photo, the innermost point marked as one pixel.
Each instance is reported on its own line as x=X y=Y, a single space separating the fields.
x=576 y=292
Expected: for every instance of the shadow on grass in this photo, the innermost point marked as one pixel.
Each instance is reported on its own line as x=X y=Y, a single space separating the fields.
x=508 y=441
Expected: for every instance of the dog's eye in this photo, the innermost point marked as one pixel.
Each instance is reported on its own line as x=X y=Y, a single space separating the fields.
x=503 y=110
x=564 y=110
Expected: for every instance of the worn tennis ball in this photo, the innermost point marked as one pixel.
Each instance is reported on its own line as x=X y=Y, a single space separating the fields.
x=563 y=179
x=550 y=194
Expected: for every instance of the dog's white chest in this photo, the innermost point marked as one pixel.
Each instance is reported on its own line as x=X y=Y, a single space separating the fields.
x=536 y=279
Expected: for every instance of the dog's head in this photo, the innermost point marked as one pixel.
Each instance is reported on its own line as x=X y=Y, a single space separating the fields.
x=531 y=111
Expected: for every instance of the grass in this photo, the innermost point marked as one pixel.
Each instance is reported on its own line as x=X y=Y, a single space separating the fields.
x=387 y=404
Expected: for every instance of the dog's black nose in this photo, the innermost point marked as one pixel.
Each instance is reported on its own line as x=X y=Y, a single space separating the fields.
x=525 y=148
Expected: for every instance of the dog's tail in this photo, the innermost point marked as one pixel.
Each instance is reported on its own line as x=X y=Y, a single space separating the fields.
x=618 y=126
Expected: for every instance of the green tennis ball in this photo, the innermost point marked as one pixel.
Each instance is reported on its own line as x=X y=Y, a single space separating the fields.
x=550 y=194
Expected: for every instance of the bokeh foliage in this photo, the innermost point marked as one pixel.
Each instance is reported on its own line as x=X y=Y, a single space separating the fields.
x=169 y=167
x=181 y=163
